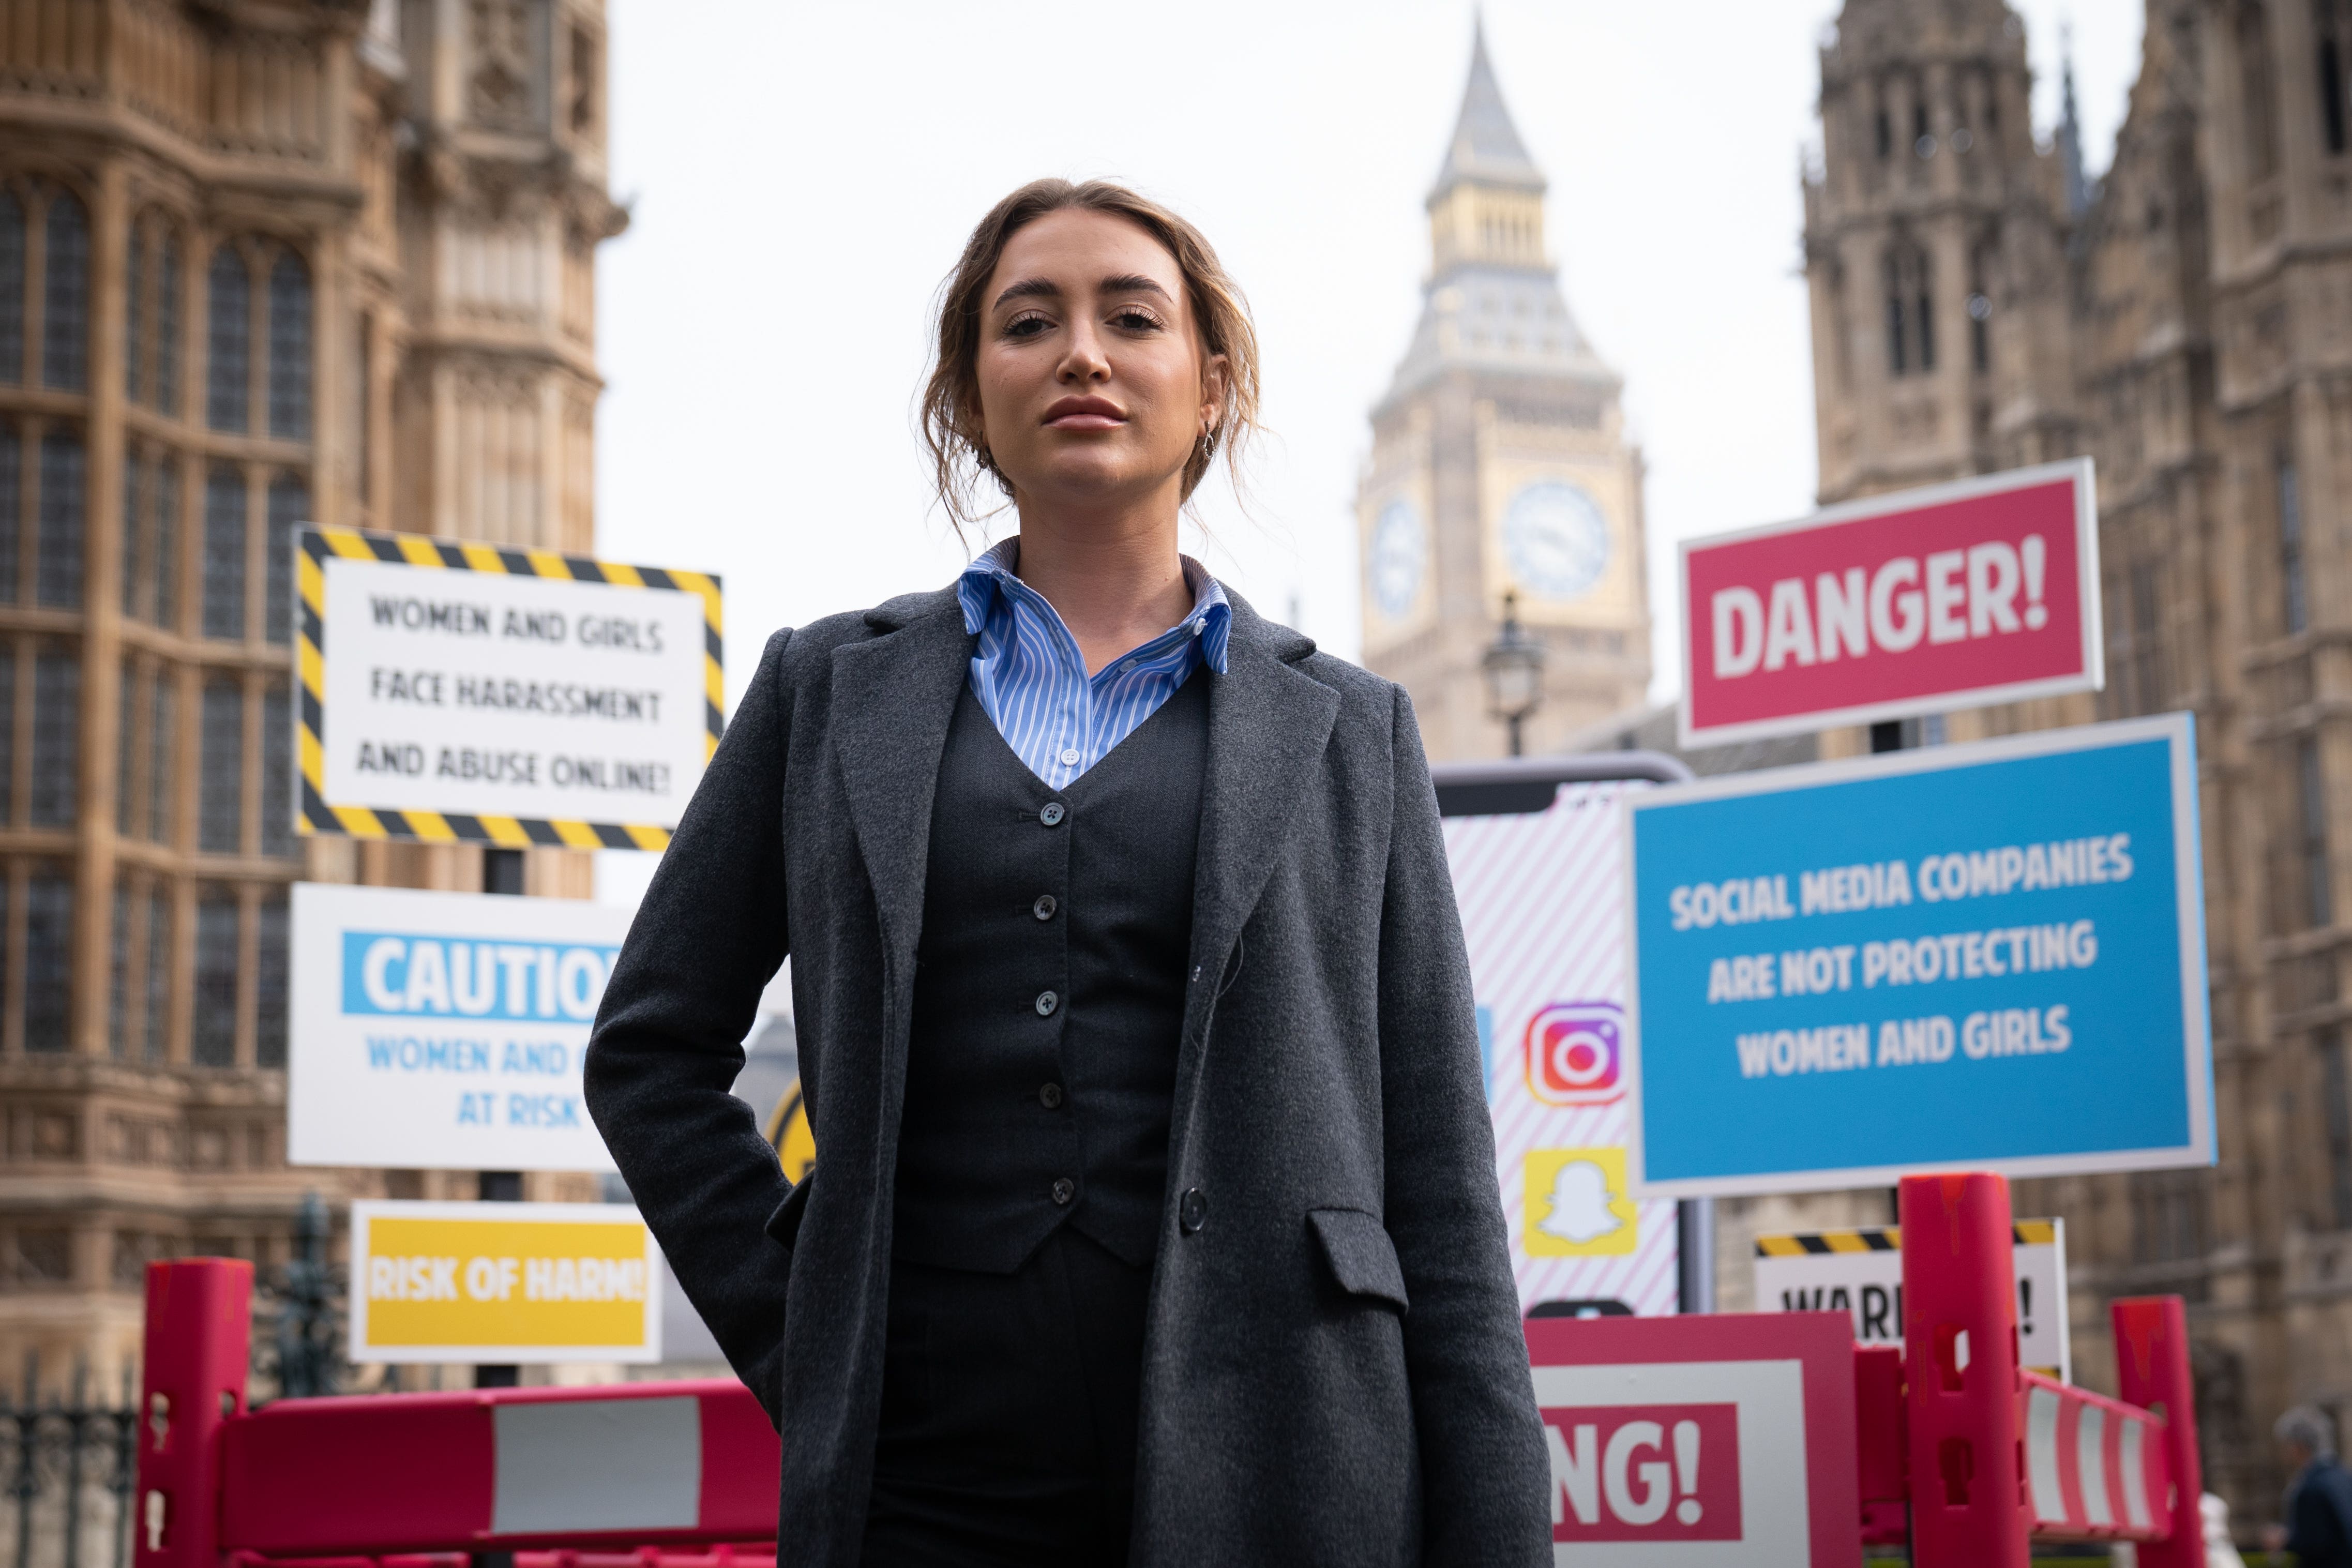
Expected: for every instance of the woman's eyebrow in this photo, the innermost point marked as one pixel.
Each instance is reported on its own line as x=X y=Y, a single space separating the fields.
x=1044 y=288
x=1133 y=283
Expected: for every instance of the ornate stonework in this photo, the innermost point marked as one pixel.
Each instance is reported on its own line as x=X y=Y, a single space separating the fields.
x=1980 y=304
x=261 y=261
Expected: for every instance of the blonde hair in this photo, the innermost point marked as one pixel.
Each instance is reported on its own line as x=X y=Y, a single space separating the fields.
x=950 y=401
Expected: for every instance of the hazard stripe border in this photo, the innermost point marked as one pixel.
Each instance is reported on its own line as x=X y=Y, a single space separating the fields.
x=1881 y=1238
x=317 y=542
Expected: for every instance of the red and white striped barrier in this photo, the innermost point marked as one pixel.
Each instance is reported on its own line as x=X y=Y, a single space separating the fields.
x=2094 y=1469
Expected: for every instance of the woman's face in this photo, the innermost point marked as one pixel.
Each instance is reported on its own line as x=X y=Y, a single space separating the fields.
x=1094 y=387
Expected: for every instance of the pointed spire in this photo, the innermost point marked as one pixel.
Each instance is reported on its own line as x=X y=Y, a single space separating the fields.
x=2070 y=129
x=1485 y=148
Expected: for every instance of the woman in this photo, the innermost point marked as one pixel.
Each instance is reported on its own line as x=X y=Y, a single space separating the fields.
x=1154 y=1215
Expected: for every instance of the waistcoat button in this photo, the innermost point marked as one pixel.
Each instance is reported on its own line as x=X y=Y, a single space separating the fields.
x=1192 y=1210
x=1050 y=1096
x=1064 y=1189
x=1051 y=813
x=1044 y=907
x=1046 y=1002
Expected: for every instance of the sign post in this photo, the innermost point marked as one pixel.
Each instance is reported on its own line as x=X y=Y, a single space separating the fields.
x=1987 y=957
x=1952 y=596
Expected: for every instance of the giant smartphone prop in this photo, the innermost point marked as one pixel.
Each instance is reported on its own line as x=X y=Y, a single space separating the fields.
x=1539 y=858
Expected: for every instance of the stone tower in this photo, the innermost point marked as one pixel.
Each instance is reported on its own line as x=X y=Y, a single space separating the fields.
x=1499 y=467
x=1934 y=252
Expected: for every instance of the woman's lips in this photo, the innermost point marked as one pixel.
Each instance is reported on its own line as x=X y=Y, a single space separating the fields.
x=1084 y=414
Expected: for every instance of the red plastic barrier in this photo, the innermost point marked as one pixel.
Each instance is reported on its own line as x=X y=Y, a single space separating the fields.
x=2152 y=1372
x=348 y=1482
x=1960 y=1335
x=198 y=1328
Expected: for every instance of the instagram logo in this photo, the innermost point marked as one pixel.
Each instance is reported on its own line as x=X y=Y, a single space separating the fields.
x=1572 y=1053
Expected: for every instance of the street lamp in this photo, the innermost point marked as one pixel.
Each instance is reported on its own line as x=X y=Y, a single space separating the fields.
x=1514 y=665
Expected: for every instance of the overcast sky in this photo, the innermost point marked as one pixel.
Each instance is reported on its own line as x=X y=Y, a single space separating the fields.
x=801 y=177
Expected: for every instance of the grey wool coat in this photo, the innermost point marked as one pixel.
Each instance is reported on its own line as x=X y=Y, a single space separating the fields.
x=1334 y=1371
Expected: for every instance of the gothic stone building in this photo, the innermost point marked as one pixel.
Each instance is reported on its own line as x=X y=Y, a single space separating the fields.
x=260 y=261
x=1499 y=467
x=1979 y=303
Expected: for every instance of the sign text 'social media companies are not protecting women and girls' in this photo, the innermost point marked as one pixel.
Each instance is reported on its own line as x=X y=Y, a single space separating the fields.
x=1973 y=955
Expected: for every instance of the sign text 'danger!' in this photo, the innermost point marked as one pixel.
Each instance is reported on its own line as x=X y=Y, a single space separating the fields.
x=1922 y=602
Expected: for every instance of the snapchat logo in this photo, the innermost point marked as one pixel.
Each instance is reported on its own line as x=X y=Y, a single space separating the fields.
x=1576 y=1204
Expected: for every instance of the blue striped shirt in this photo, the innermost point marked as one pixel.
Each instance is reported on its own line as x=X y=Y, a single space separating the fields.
x=1032 y=680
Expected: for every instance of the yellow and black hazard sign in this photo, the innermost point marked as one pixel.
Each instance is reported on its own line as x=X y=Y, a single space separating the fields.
x=485 y=694
x=1883 y=1238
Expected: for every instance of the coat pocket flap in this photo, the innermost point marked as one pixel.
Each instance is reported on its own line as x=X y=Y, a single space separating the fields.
x=785 y=1225
x=1362 y=1258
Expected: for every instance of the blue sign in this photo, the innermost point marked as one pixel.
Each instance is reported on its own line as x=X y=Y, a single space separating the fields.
x=391 y=975
x=1983 y=957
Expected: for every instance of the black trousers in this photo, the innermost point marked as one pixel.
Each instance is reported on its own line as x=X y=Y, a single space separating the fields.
x=1009 y=1412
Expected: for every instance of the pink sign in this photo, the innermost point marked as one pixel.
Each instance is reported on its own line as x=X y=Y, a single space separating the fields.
x=1920 y=602
x=1700 y=1442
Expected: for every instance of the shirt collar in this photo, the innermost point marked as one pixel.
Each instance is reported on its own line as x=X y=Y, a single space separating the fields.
x=994 y=574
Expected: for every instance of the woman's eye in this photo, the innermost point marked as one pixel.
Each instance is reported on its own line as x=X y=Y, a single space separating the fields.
x=1026 y=326
x=1136 y=319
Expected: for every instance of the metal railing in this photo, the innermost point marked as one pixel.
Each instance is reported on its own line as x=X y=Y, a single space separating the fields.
x=68 y=1477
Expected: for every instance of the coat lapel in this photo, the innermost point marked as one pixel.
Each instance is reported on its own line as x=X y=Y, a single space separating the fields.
x=1268 y=723
x=892 y=698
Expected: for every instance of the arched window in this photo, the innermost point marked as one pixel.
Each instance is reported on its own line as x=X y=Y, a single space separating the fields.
x=56 y=573
x=229 y=338
x=135 y=564
x=117 y=985
x=215 y=1045
x=270 y=974
x=159 y=973
x=220 y=794
x=290 y=347
x=167 y=322
x=166 y=488
x=12 y=504
x=134 y=327
x=225 y=554
x=2254 y=90
x=289 y=505
x=2332 y=20
x=56 y=737
x=65 y=307
x=1910 y=315
x=163 y=757
x=11 y=287
x=48 y=958
x=8 y=733
x=277 y=771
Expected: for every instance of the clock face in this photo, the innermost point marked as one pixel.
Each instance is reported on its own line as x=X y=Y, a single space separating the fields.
x=1400 y=555
x=1556 y=540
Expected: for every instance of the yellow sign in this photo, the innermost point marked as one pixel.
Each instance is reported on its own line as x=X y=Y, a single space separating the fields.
x=788 y=1129
x=1576 y=1204
x=503 y=1282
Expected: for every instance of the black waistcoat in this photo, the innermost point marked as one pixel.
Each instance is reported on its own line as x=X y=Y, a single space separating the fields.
x=1049 y=993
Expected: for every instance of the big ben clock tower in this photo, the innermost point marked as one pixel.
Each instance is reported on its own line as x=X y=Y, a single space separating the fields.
x=1499 y=468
